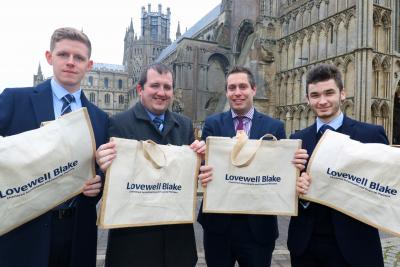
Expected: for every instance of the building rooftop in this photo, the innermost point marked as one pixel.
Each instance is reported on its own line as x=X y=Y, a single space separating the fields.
x=200 y=25
x=108 y=67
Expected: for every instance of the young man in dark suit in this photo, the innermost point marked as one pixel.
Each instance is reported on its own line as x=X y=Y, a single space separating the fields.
x=321 y=236
x=247 y=239
x=150 y=119
x=67 y=235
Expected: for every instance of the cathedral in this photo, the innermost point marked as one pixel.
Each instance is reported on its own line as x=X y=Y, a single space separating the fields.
x=279 y=41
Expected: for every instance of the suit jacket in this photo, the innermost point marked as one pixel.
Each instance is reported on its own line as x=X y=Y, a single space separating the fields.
x=358 y=242
x=24 y=109
x=140 y=246
x=264 y=228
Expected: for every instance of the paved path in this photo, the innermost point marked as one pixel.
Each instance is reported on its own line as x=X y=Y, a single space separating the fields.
x=390 y=244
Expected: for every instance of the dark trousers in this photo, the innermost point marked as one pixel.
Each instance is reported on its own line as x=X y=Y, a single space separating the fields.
x=322 y=251
x=62 y=226
x=238 y=245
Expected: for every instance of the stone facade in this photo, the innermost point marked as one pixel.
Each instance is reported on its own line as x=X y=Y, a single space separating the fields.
x=280 y=41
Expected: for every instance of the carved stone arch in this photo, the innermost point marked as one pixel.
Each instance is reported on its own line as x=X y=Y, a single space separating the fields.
x=386 y=64
x=245 y=28
x=271 y=30
x=384 y=109
x=281 y=45
x=386 y=19
x=348 y=107
x=376 y=62
x=375 y=108
x=377 y=17
x=339 y=62
x=347 y=60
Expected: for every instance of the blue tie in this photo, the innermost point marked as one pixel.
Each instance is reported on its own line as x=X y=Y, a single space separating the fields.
x=324 y=128
x=158 y=123
x=67 y=100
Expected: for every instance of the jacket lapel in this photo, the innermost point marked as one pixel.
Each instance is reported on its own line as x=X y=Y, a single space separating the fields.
x=348 y=127
x=256 y=126
x=228 y=127
x=42 y=102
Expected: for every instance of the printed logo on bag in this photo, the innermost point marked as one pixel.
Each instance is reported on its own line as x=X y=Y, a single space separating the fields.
x=362 y=182
x=154 y=188
x=253 y=180
x=35 y=183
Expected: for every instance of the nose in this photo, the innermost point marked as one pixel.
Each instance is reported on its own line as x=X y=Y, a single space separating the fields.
x=70 y=60
x=322 y=100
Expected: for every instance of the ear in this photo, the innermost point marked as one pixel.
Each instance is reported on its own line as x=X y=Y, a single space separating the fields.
x=254 y=90
x=342 y=95
x=139 y=89
x=90 y=65
x=49 y=57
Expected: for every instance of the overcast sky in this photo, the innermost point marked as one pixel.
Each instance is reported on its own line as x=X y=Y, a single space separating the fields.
x=26 y=27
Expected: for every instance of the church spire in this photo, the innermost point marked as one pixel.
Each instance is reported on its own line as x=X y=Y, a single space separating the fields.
x=178 y=31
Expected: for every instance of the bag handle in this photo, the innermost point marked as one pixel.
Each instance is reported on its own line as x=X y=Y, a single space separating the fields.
x=154 y=154
x=239 y=160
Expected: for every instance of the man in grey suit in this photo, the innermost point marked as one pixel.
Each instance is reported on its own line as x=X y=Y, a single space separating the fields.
x=151 y=246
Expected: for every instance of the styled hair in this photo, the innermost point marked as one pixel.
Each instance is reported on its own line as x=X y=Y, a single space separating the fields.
x=159 y=67
x=324 y=72
x=240 y=69
x=70 y=34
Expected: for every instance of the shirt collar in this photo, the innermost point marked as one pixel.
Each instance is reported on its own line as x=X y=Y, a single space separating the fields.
x=335 y=123
x=152 y=116
x=60 y=91
x=248 y=115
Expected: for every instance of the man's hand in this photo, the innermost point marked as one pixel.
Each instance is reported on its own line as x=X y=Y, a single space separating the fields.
x=92 y=187
x=199 y=147
x=303 y=183
x=105 y=154
x=205 y=175
x=300 y=159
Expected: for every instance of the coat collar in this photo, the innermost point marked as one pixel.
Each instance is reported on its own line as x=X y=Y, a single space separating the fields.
x=169 y=119
x=42 y=101
x=228 y=125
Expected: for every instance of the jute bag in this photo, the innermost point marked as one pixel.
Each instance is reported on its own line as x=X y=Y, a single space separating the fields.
x=149 y=184
x=360 y=180
x=42 y=168
x=251 y=176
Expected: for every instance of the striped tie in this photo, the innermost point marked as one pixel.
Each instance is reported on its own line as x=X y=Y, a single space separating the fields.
x=158 y=123
x=67 y=100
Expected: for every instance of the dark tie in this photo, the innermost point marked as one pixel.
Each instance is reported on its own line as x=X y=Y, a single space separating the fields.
x=158 y=123
x=67 y=100
x=322 y=130
x=240 y=123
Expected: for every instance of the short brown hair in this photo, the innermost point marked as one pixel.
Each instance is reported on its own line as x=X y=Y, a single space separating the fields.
x=159 y=67
x=240 y=69
x=324 y=72
x=70 y=34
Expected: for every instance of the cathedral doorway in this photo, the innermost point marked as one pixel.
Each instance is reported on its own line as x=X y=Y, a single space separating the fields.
x=396 y=116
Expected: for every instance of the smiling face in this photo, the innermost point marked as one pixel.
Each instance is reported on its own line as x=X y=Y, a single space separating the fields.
x=157 y=92
x=324 y=99
x=70 y=61
x=239 y=93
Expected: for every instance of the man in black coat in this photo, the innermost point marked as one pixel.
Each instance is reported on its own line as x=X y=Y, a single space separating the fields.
x=151 y=246
x=321 y=236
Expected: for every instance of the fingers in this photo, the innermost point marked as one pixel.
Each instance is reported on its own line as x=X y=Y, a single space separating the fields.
x=92 y=187
x=205 y=175
x=303 y=183
x=300 y=159
x=105 y=154
x=198 y=146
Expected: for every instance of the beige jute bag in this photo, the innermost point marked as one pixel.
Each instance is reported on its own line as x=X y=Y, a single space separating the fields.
x=149 y=184
x=251 y=176
x=360 y=180
x=42 y=168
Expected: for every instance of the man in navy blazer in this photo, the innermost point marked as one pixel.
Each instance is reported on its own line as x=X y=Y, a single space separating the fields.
x=321 y=236
x=67 y=235
x=247 y=239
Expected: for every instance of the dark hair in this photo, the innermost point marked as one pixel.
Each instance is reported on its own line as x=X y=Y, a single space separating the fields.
x=240 y=69
x=159 y=67
x=324 y=72
x=70 y=34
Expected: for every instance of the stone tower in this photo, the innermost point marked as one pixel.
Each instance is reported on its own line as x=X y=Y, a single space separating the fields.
x=38 y=78
x=154 y=37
